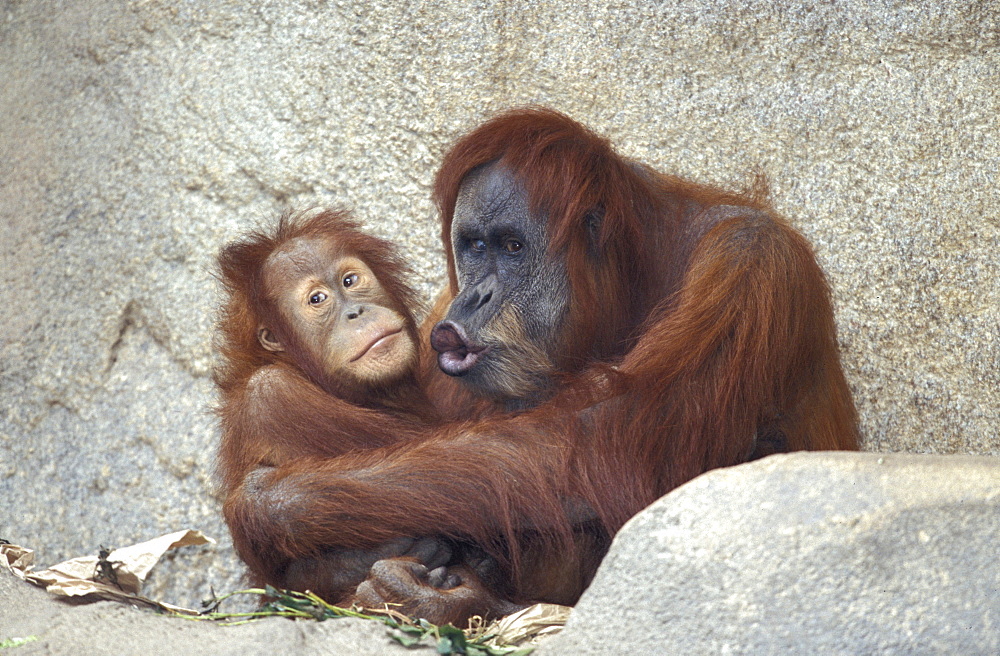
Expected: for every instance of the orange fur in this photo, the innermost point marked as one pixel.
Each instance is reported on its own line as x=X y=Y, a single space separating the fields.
x=272 y=413
x=700 y=335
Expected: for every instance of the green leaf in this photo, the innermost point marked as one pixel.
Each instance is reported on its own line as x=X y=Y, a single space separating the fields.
x=445 y=646
x=405 y=640
x=10 y=643
x=450 y=630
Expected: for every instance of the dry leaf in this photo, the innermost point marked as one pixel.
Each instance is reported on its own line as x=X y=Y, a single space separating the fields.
x=530 y=623
x=80 y=577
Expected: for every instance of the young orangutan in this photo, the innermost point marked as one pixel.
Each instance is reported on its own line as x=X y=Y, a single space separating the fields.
x=321 y=360
x=320 y=352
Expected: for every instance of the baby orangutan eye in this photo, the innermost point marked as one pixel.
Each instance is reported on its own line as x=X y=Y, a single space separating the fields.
x=350 y=279
x=317 y=298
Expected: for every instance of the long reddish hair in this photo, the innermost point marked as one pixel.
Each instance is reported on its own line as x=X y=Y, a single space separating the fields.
x=605 y=216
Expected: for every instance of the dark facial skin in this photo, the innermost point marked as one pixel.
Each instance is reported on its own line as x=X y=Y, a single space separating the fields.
x=338 y=319
x=513 y=295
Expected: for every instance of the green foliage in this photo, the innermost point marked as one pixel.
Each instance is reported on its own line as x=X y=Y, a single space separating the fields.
x=451 y=640
x=307 y=606
x=10 y=643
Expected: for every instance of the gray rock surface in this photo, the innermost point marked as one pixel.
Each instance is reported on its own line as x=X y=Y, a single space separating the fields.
x=830 y=553
x=138 y=137
x=55 y=628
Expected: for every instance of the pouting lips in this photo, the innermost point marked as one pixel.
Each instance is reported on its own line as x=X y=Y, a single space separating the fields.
x=457 y=355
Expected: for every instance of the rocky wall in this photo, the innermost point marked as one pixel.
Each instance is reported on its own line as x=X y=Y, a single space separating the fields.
x=138 y=137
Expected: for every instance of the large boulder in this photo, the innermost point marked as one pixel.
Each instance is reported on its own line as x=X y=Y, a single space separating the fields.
x=820 y=553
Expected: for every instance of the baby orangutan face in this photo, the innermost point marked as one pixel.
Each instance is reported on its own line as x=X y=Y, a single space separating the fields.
x=336 y=320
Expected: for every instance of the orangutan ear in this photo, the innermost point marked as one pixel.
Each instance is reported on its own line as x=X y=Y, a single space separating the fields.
x=267 y=340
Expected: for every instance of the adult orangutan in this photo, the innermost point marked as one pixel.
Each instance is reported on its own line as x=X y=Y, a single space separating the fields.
x=633 y=329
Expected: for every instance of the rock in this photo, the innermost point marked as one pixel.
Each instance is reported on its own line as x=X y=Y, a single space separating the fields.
x=820 y=553
x=45 y=625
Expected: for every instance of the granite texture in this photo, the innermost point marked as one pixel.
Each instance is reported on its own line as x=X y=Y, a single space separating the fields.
x=810 y=553
x=138 y=137
x=49 y=627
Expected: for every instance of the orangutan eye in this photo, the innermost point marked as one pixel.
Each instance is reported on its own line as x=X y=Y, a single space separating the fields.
x=478 y=245
x=317 y=298
x=350 y=280
x=512 y=246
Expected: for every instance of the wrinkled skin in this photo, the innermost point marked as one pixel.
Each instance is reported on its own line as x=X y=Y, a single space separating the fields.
x=430 y=582
x=504 y=324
